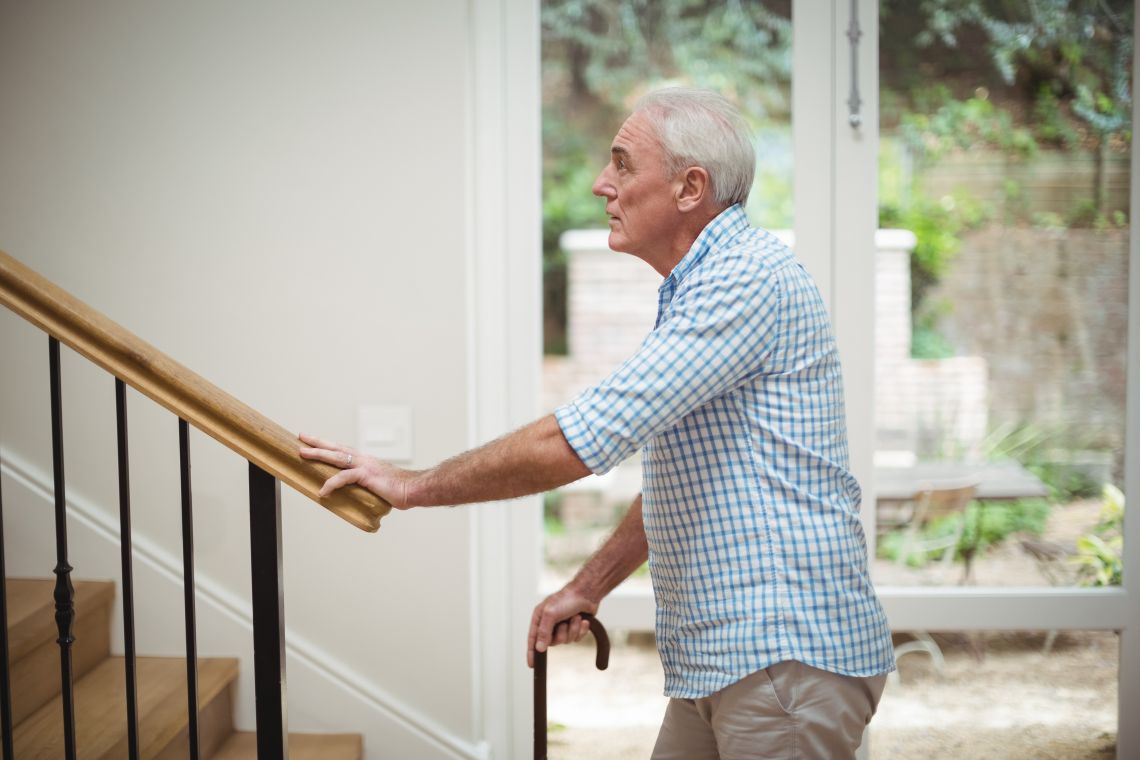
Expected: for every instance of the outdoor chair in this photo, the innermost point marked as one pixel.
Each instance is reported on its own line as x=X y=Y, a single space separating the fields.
x=932 y=502
x=1053 y=562
x=923 y=642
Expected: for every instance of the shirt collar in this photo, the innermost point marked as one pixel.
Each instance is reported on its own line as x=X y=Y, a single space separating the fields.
x=725 y=226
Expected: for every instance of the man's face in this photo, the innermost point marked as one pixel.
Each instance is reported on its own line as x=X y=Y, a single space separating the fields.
x=640 y=198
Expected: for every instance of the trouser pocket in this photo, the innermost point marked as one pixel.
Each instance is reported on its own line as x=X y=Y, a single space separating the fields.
x=782 y=679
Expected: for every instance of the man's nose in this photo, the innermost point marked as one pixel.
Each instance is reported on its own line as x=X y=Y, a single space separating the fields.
x=602 y=185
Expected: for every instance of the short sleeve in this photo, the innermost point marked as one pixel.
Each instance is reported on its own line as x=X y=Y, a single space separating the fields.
x=715 y=334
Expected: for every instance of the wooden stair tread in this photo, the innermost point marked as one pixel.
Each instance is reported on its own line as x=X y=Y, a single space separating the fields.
x=31 y=609
x=100 y=691
x=243 y=746
x=100 y=707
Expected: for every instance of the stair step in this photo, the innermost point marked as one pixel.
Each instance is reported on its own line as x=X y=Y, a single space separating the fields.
x=32 y=634
x=100 y=701
x=100 y=707
x=243 y=746
x=31 y=609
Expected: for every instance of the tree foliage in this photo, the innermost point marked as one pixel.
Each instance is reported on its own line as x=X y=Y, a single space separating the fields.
x=1063 y=67
x=599 y=55
x=1016 y=76
x=1011 y=76
x=608 y=50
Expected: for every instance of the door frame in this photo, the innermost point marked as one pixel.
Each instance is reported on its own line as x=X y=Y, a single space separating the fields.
x=504 y=353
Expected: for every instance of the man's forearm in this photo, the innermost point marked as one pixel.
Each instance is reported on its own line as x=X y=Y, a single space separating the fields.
x=533 y=459
x=622 y=553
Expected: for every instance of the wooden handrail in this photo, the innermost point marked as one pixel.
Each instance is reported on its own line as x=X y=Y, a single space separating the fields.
x=185 y=393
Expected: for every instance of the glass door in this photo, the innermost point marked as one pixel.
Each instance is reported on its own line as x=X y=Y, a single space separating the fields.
x=1002 y=293
x=991 y=405
x=959 y=184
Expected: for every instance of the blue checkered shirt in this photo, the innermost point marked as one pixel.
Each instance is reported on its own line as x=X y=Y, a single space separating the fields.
x=756 y=551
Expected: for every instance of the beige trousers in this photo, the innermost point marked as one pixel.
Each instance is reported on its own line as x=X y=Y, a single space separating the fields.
x=789 y=710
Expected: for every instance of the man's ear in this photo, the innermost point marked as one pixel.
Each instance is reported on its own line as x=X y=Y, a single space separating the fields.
x=694 y=189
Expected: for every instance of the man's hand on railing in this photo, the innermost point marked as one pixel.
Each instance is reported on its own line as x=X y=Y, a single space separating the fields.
x=381 y=478
x=557 y=620
x=532 y=459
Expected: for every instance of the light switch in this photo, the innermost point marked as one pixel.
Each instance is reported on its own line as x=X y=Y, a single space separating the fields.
x=385 y=431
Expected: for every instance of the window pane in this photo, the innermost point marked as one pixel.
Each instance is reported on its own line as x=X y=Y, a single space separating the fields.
x=1002 y=292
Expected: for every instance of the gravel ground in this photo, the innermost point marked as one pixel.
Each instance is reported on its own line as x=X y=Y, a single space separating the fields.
x=999 y=696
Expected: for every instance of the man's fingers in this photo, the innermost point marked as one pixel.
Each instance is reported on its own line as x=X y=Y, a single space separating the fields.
x=341 y=479
x=549 y=625
x=568 y=632
x=578 y=628
x=329 y=452
x=547 y=634
x=319 y=443
x=335 y=458
x=571 y=630
x=561 y=634
x=532 y=635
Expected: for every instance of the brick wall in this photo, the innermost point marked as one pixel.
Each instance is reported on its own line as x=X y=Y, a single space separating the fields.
x=927 y=406
x=1048 y=311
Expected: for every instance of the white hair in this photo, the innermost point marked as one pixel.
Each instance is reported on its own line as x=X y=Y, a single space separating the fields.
x=702 y=128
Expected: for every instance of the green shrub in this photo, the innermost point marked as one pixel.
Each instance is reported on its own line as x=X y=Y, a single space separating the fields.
x=1064 y=482
x=938 y=225
x=998 y=520
x=1099 y=554
x=892 y=544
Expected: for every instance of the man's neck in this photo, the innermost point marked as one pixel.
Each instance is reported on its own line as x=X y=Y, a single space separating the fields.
x=683 y=240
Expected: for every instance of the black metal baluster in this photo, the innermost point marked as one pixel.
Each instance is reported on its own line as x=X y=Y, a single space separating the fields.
x=128 y=574
x=5 y=675
x=268 y=615
x=540 y=727
x=188 y=585
x=64 y=591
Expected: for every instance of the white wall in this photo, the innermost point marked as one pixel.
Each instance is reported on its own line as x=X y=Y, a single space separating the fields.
x=274 y=193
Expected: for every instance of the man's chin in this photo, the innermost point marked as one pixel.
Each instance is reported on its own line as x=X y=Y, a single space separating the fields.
x=617 y=242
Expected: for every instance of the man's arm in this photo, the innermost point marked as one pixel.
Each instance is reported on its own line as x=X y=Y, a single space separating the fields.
x=532 y=459
x=623 y=552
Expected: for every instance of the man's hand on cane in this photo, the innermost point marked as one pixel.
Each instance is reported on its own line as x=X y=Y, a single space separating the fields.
x=556 y=620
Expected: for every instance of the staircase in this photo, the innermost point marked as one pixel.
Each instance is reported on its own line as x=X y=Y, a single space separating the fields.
x=100 y=701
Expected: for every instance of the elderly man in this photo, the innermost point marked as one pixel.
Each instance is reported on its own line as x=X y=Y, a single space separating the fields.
x=772 y=639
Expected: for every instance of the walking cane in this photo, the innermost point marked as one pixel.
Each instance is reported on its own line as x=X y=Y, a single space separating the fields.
x=602 y=661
